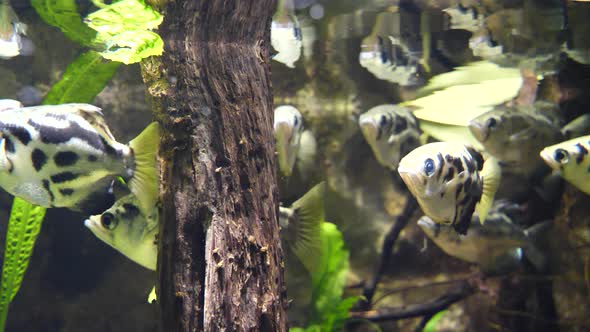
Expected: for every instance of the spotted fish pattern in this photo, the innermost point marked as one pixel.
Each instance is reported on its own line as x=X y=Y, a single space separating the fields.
x=62 y=156
x=571 y=159
x=448 y=181
x=391 y=131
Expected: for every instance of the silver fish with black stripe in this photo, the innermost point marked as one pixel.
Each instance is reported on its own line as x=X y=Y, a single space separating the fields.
x=391 y=131
x=571 y=160
x=450 y=181
x=499 y=246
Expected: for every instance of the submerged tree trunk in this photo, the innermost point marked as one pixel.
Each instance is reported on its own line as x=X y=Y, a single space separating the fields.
x=220 y=260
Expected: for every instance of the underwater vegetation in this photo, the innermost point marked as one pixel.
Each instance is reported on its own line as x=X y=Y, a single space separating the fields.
x=446 y=142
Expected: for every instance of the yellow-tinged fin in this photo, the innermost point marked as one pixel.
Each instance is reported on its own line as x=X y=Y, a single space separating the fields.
x=144 y=183
x=491 y=174
x=152 y=297
x=449 y=133
x=459 y=104
x=309 y=212
x=472 y=73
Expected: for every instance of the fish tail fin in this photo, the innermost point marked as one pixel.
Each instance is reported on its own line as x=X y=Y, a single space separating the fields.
x=144 y=183
x=492 y=175
x=309 y=210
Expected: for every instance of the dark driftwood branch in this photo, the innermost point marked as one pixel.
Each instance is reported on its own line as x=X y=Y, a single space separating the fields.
x=219 y=266
x=387 y=249
x=417 y=310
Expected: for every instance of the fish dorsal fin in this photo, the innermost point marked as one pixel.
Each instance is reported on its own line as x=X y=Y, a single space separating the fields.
x=491 y=175
x=309 y=211
x=8 y=104
x=92 y=114
x=95 y=117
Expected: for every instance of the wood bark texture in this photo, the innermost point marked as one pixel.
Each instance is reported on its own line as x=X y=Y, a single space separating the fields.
x=220 y=261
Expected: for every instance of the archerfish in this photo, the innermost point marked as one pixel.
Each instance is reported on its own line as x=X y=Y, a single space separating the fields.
x=129 y=230
x=285 y=38
x=9 y=103
x=571 y=159
x=10 y=31
x=288 y=127
x=498 y=246
x=65 y=156
x=391 y=131
x=450 y=181
x=515 y=135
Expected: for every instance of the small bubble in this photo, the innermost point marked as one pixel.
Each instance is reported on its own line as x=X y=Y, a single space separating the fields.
x=316 y=11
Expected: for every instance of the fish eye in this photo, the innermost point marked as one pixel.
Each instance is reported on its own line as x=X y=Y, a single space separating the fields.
x=108 y=221
x=561 y=156
x=429 y=167
x=383 y=120
x=491 y=123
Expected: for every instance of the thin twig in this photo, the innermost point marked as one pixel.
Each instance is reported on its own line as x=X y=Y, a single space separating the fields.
x=417 y=310
x=389 y=292
x=387 y=249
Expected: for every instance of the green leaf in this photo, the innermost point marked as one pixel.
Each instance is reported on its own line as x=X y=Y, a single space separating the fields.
x=64 y=15
x=133 y=46
x=328 y=282
x=312 y=328
x=83 y=80
x=433 y=322
x=123 y=28
x=125 y=15
x=23 y=227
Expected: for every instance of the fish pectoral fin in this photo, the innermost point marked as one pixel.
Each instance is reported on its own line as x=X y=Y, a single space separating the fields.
x=523 y=135
x=144 y=183
x=309 y=210
x=492 y=175
x=152 y=297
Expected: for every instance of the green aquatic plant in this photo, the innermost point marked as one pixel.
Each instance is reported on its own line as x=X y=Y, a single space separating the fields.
x=118 y=32
x=23 y=227
x=64 y=15
x=84 y=78
x=75 y=84
x=432 y=324
x=329 y=309
x=124 y=29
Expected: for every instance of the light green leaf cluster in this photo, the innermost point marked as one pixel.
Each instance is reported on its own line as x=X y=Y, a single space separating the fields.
x=23 y=227
x=124 y=28
x=329 y=309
